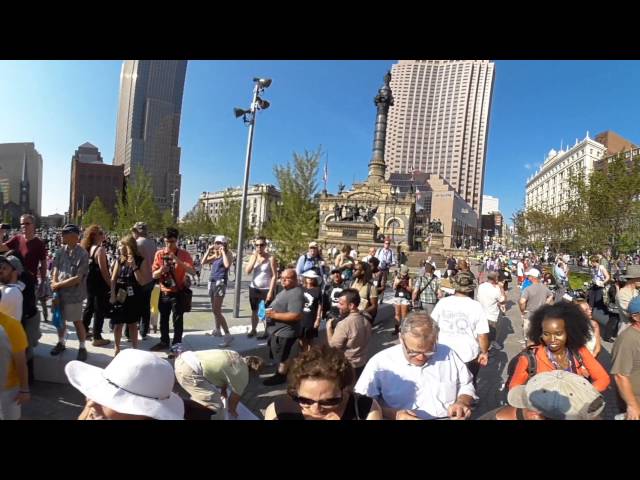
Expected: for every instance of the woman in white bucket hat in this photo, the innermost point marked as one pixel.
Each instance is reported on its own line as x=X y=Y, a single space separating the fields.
x=136 y=385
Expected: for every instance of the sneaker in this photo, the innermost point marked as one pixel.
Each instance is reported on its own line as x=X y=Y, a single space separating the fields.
x=82 y=354
x=251 y=334
x=100 y=342
x=496 y=346
x=276 y=379
x=59 y=348
x=214 y=333
x=227 y=341
x=159 y=347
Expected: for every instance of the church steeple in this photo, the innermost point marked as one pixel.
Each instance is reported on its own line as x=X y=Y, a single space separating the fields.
x=383 y=101
x=24 y=187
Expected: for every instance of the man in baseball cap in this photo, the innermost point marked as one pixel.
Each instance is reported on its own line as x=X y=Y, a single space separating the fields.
x=532 y=298
x=11 y=299
x=625 y=369
x=70 y=228
x=558 y=395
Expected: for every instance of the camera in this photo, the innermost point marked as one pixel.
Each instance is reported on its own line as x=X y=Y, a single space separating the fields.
x=168 y=282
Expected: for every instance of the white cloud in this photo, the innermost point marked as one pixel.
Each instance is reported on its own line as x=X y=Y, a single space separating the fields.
x=527 y=166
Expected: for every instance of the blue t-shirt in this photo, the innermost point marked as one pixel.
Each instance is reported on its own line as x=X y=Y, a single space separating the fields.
x=218 y=271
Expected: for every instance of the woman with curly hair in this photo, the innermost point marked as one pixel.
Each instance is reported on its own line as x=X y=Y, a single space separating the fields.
x=559 y=334
x=320 y=388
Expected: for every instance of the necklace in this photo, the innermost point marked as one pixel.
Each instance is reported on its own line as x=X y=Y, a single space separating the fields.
x=556 y=361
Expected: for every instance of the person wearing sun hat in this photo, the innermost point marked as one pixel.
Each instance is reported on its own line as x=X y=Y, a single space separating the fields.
x=136 y=385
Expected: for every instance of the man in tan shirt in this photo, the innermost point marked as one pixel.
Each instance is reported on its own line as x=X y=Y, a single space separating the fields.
x=350 y=333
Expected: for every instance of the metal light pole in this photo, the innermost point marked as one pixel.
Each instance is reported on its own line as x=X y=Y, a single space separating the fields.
x=394 y=194
x=249 y=117
x=173 y=203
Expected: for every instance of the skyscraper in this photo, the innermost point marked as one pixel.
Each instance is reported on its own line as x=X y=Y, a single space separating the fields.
x=149 y=125
x=21 y=176
x=439 y=121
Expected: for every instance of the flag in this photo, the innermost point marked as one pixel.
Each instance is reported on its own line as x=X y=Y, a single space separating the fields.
x=325 y=176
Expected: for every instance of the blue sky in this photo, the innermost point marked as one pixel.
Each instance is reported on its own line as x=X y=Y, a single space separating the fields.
x=59 y=105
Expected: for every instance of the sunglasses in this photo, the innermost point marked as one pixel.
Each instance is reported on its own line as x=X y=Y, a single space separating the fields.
x=26 y=224
x=261 y=244
x=307 y=402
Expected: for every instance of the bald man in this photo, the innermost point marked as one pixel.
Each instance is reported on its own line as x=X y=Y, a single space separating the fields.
x=283 y=323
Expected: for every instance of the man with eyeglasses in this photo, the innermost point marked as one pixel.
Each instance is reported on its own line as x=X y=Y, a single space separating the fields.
x=284 y=317
x=171 y=266
x=419 y=379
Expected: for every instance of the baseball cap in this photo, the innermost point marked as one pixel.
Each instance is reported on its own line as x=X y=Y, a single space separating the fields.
x=463 y=282
x=220 y=238
x=534 y=272
x=634 y=306
x=71 y=228
x=313 y=244
x=140 y=227
x=15 y=262
x=559 y=395
x=336 y=270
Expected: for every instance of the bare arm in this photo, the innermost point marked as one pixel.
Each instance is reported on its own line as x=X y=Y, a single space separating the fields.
x=274 y=278
x=522 y=303
x=137 y=272
x=596 y=334
x=114 y=280
x=607 y=277
x=103 y=264
x=227 y=259
x=234 y=400
x=284 y=316
x=626 y=392
x=251 y=264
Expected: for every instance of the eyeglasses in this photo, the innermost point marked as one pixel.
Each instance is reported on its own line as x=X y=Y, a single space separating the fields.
x=414 y=354
x=307 y=402
x=26 y=224
x=261 y=244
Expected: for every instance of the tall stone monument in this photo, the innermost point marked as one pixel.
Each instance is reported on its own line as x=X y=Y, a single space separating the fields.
x=363 y=216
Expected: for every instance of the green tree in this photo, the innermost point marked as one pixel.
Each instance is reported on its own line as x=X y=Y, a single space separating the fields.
x=137 y=204
x=197 y=222
x=294 y=220
x=97 y=213
x=227 y=222
x=605 y=207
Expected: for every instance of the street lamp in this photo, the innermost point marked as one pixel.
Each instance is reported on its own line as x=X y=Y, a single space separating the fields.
x=249 y=118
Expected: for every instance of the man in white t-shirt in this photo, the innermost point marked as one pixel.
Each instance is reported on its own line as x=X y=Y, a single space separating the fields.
x=463 y=324
x=520 y=271
x=11 y=290
x=420 y=378
x=491 y=296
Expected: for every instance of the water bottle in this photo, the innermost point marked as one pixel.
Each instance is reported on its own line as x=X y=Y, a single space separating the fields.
x=262 y=311
x=57 y=313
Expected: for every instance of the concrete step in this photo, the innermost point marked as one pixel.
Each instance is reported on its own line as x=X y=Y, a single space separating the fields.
x=48 y=368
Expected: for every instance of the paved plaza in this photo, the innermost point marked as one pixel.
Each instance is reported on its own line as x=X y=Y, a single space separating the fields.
x=54 y=399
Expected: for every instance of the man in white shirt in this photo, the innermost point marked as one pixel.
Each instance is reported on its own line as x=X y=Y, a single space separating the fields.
x=491 y=296
x=372 y=253
x=463 y=324
x=520 y=271
x=387 y=260
x=420 y=378
x=11 y=300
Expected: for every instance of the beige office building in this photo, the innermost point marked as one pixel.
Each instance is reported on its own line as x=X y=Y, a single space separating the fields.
x=439 y=122
x=149 y=125
x=259 y=200
x=18 y=160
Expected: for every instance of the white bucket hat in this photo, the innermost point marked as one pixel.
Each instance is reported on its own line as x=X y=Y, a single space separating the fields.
x=221 y=239
x=310 y=274
x=135 y=382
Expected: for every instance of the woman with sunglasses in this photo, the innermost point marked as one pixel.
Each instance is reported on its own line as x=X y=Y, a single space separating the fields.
x=320 y=388
x=220 y=258
x=264 y=268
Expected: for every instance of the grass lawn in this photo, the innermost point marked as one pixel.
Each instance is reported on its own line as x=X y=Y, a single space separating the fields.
x=576 y=280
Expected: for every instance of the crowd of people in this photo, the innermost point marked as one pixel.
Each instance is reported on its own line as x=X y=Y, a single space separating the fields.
x=446 y=321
